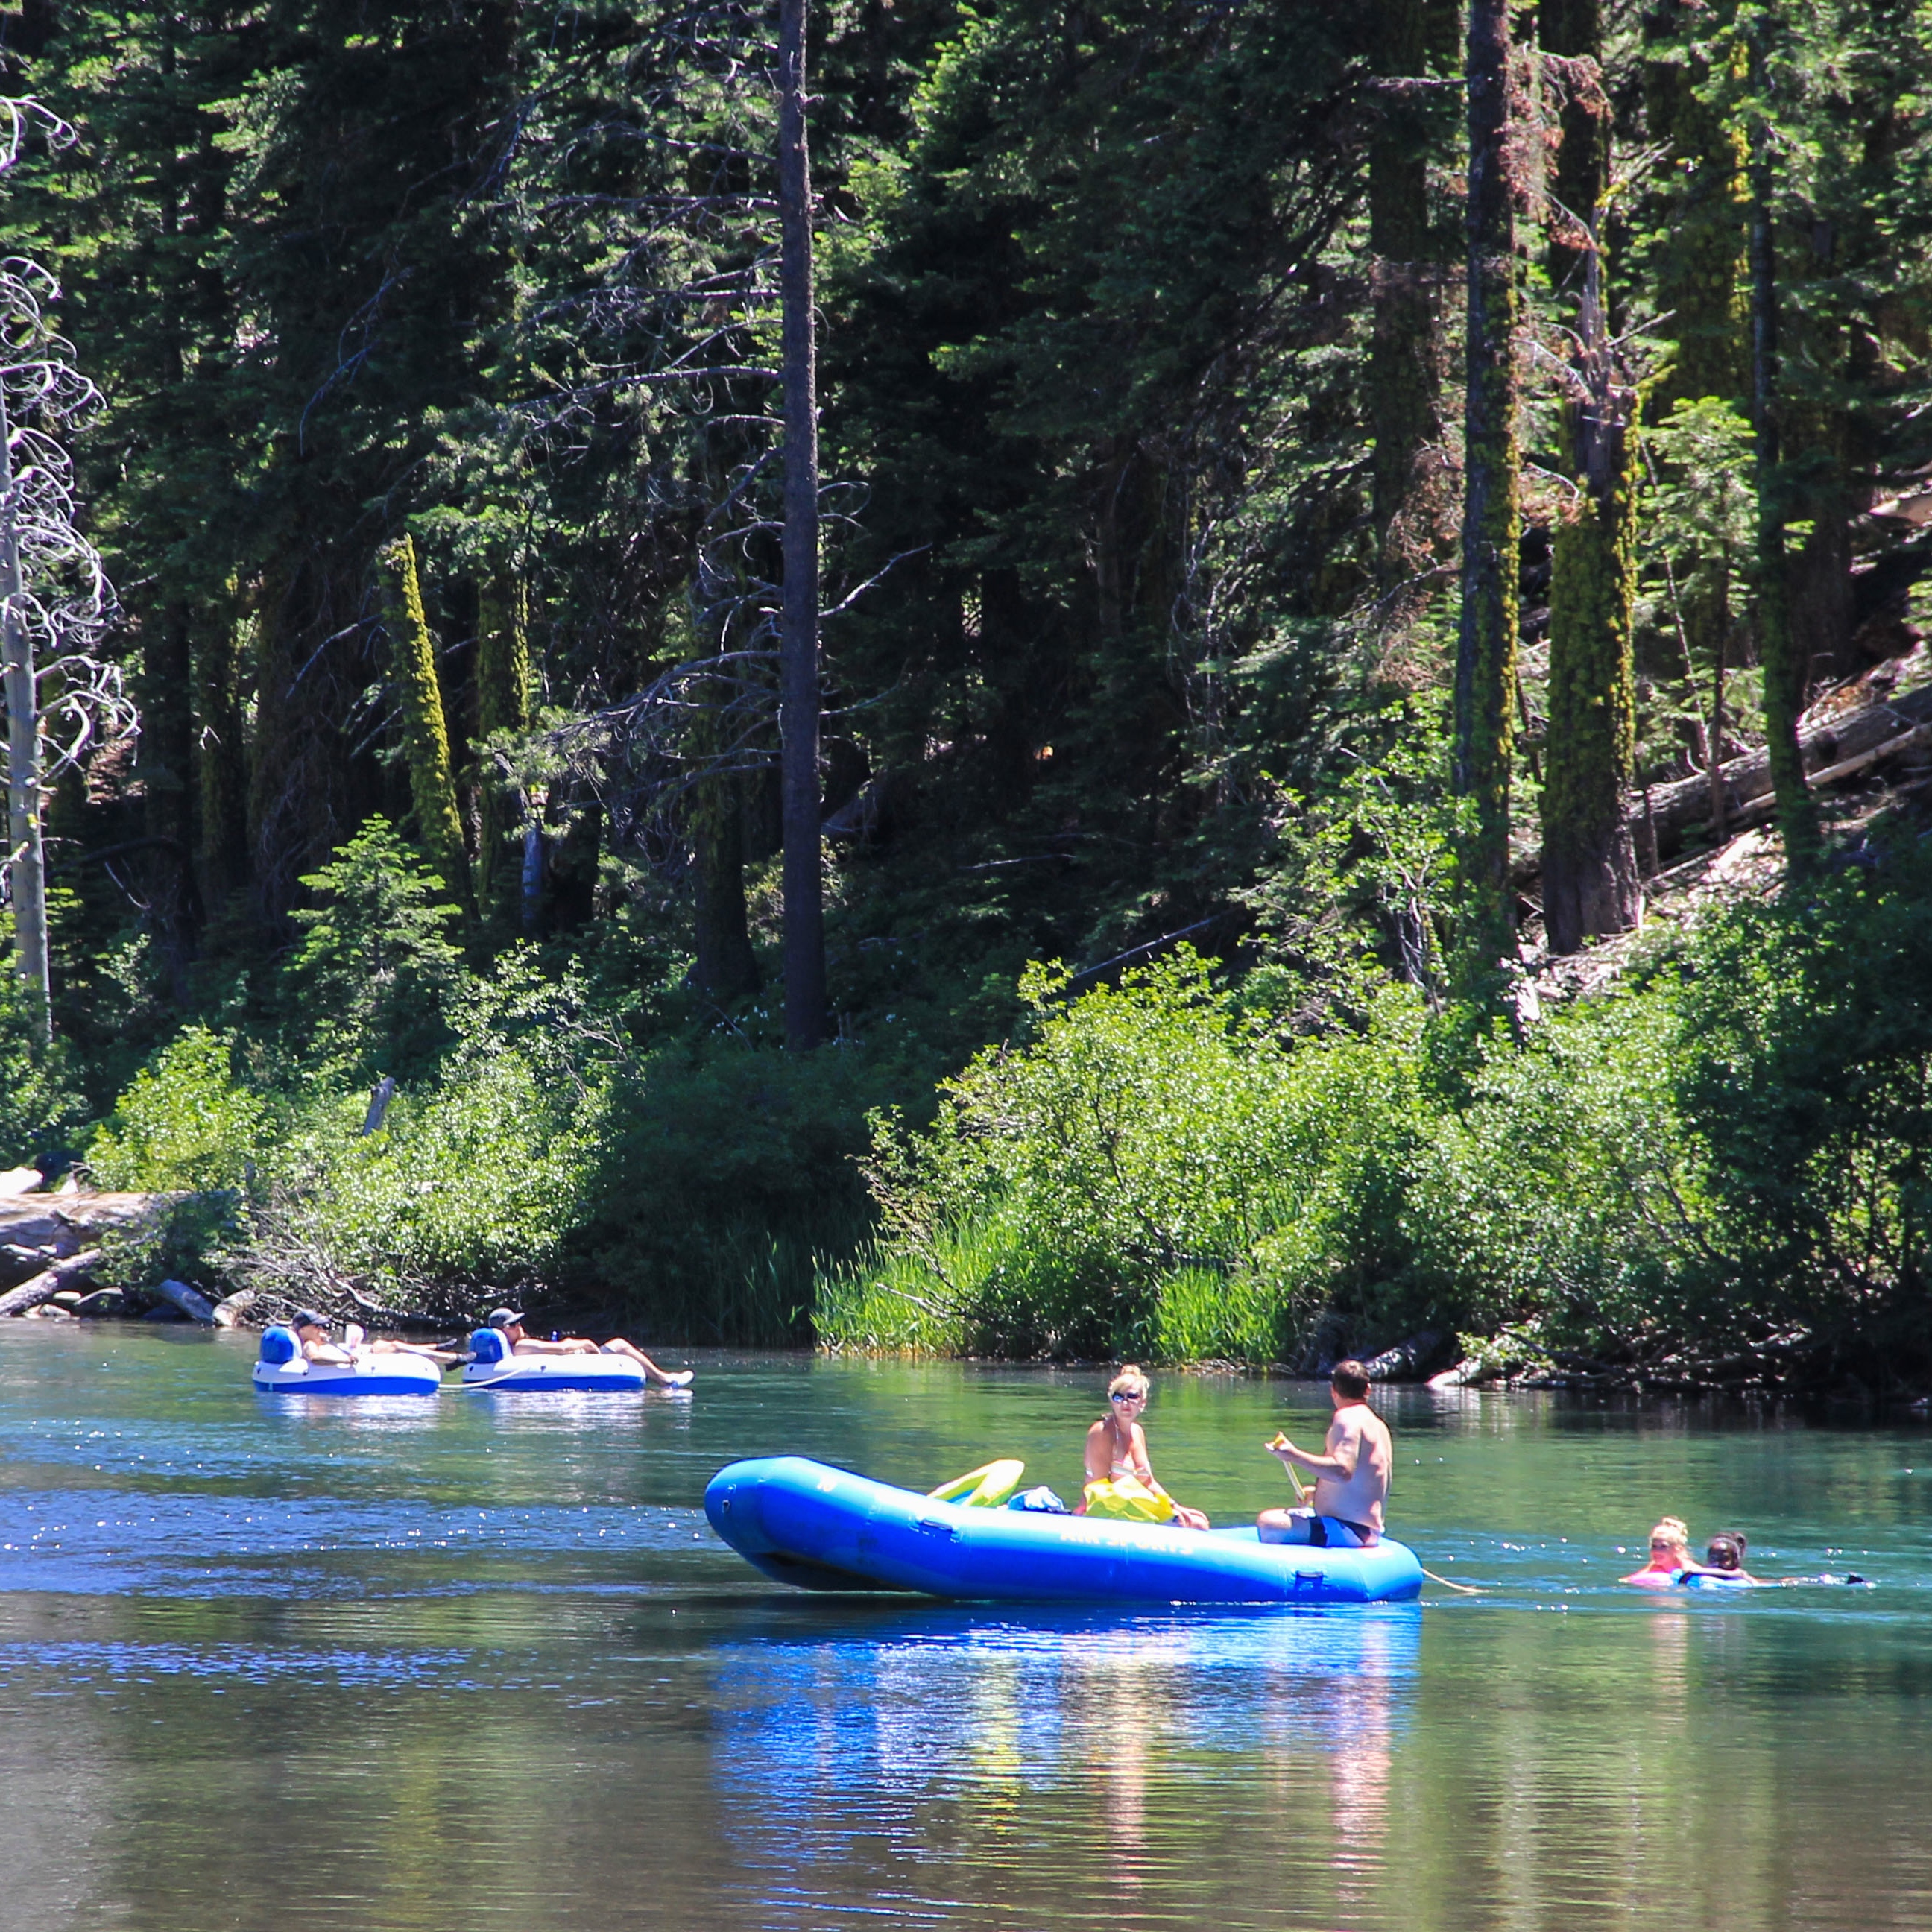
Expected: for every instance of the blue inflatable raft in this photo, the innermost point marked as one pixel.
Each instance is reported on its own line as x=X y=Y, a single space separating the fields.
x=804 y=1523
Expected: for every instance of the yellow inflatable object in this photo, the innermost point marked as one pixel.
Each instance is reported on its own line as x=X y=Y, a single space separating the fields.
x=1129 y=1500
x=985 y=1488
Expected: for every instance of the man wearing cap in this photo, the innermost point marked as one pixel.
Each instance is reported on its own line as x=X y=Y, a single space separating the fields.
x=312 y=1332
x=510 y=1323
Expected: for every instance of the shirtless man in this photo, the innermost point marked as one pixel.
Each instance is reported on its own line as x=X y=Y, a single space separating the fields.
x=1351 y=1475
x=511 y=1324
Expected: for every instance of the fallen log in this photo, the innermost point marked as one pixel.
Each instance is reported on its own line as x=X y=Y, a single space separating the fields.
x=45 y=1286
x=1406 y=1359
x=190 y=1301
x=1883 y=715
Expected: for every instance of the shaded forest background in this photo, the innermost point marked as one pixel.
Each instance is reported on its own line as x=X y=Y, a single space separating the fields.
x=1191 y=582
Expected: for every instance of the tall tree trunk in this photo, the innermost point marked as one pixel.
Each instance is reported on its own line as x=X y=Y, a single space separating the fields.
x=1783 y=676
x=798 y=698
x=27 y=871
x=1574 y=29
x=425 y=733
x=221 y=756
x=1589 y=865
x=1486 y=639
x=1405 y=371
x=502 y=704
x=166 y=768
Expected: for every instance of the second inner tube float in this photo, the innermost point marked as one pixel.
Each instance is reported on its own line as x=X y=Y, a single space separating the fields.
x=492 y=1366
x=804 y=1523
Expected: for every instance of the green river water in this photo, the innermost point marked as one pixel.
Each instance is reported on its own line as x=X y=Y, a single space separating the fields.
x=479 y=1662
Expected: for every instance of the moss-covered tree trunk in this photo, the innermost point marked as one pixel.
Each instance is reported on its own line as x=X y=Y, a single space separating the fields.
x=502 y=704
x=425 y=732
x=1406 y=356
x=1777 y=655
x=1574 y=30
x=1700 y=265
x=1486 y=639
x=1590 y=885
x=1702 y=286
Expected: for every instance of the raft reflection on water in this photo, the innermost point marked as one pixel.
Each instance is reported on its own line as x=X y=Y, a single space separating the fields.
x=877 y=1714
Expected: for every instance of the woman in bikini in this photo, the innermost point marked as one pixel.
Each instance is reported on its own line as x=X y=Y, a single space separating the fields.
x=1117 y=1443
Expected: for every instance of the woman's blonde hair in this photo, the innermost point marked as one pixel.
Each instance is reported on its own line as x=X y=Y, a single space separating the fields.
x=1131 y=1377
x=1674 y=1531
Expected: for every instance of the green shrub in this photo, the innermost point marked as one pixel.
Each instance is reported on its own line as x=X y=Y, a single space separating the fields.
x=471 y=1186
x=1151 y=1174
x=41 y=1107
x=724 y=1175
x=184 y=1121
x=370 y=989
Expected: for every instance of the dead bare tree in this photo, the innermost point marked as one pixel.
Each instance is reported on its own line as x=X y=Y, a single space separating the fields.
x=55 y=598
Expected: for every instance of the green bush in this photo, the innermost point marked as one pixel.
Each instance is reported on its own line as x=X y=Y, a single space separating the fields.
x=1725 y=1162
x=470 y=1187
x=183 y=1123
x=371 y=988
x=1151 y=1174
x=41 y=1107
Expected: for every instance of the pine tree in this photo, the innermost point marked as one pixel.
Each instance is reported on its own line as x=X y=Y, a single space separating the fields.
x=1486 y=633
x=1590 y=885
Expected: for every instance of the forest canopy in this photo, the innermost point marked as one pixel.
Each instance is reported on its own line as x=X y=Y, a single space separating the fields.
x=1014 y=733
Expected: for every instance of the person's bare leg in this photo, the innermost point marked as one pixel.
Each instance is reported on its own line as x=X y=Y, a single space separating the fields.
x=1281 y=1525
x=617 y=1345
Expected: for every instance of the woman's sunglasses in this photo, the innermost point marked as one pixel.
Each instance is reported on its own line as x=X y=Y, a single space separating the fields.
x=1129 y=1395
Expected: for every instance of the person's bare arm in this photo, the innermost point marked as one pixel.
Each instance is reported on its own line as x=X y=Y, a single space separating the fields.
x=1345 y=1451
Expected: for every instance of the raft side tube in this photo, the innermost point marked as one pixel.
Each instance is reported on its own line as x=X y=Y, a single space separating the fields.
x=367 y=1375
x=786 y=1511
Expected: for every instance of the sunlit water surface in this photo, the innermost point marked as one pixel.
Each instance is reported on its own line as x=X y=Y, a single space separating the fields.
x=478 y=1662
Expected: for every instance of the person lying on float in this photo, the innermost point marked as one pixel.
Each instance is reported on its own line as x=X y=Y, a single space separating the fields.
x=312 y=1334
x=1351 y=1474
x=509 y=1323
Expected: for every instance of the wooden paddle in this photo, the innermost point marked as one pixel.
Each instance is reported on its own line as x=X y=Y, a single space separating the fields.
x=1303 y=1491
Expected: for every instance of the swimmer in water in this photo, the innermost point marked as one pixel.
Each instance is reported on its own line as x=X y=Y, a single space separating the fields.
x=1670 y=1560
x=1725 y=1557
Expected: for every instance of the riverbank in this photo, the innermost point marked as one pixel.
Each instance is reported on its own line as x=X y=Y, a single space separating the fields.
x=1698 y=1160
